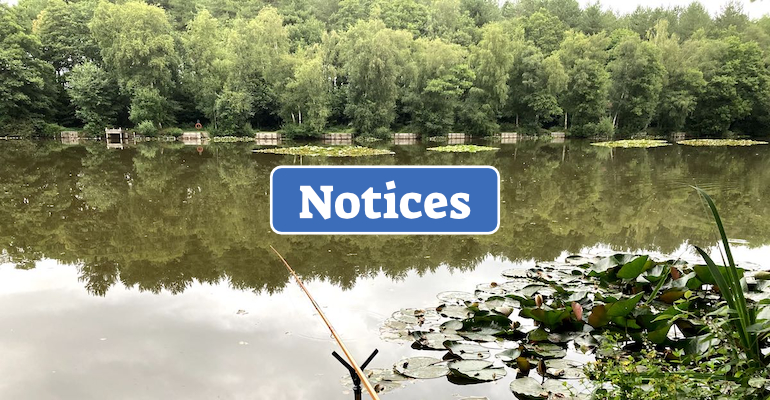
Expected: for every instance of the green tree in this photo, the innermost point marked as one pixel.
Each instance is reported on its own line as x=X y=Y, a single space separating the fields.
x=535 y=83
x=95 y=95
x=682 y=81
x=586 y=98
x=637 y=79
x=26 y=81
x=737 y=87
x=449 y=22
x=64 y=33
x=593 y=19
x=206 y=62
x=544 y=30
x=691 y=19
x=442 y=81
x=142 y=55
x=374 y=58
x=306 y=97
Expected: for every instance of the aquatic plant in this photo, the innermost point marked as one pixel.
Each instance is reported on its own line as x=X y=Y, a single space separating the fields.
x=321 y=151
x=232 y=139
x=462 y=148
x=720 y=142
x=665 y=318
x=633 y=143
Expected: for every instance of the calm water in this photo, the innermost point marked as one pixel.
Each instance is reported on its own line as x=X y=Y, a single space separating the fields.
x=145 y=273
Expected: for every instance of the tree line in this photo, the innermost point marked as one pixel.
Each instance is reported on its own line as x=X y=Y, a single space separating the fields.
x=374 y=66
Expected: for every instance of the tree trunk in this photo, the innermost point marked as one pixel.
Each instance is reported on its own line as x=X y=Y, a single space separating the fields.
x=565 y=121
x=299 y=112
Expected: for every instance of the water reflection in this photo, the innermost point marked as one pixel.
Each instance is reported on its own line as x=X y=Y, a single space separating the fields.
x=193 y=229
x=161 y=216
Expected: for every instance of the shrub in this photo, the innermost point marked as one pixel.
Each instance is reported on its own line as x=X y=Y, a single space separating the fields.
x=603 y=128
x=295 y=131
x=175 y=132
x=146 y=128
x=51 y=131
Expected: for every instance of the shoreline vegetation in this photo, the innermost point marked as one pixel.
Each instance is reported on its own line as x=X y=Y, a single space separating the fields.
x=371 y=67
x=650 y=329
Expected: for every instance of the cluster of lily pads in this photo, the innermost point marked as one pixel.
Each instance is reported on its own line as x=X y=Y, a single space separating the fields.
x=633 y=143
x=720 y=142
x=647 y=143
x=544 y=323
x=231 y=139
x=326 y=151
x=462 y=148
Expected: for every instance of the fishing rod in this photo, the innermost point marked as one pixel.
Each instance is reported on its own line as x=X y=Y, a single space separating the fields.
x=356 y=373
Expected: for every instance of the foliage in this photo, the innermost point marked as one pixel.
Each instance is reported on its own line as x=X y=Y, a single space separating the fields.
x=318 y=151
x=462 y=148
x=146 y=128
x=95 y=96
x=642 y=143
x=720 y=142
x=432 y=65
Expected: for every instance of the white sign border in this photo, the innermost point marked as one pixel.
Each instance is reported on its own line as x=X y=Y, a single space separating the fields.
x=386 y=166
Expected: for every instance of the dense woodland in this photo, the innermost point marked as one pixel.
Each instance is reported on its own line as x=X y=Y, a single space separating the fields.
x=374 y=66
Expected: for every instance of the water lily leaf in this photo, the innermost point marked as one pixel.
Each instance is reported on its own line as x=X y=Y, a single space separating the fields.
x=509 y=355
x=451 y=326
x=422 y=368
x=621 y=308
x=515 y=273
x=432 y=340
x=537 y=335
x=476 y=370
x=672 y=295
x=586 y=341
x=564 y=369
x=454 y=312
x=466 y=351
x=455 y=297
x=551 y=318
x=598 y=317
x=414 y=316
x=633 y=269
x=562 y=337
x=601 y=267
x=528 y=389
x=545 y=350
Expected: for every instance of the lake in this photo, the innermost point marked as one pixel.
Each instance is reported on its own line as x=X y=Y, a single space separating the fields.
x=146 y=273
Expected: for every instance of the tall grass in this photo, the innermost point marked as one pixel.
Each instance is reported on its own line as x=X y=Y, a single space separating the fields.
x=743 y=317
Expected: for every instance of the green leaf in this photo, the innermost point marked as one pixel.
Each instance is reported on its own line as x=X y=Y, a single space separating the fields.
x=633 y=269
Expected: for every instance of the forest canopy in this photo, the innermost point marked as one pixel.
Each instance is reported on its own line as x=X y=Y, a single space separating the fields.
x=374 y=66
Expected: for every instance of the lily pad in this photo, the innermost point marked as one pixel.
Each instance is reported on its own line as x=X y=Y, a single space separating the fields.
x=720 y=142
x=454 y=312
x=422 y=368
x=476 y=370
x=466 y=351
x=321 y=151
x=432 y=340
x=509 y=355
x=545 y=350
x=455 y=297
x=564 y=369
x=633 y=143
x=462 y=148
x=530 y=389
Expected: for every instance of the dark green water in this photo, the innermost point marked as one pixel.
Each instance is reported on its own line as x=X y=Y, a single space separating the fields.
x=145 y=272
